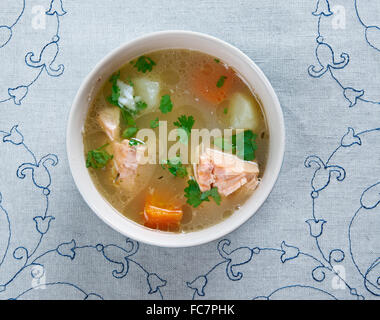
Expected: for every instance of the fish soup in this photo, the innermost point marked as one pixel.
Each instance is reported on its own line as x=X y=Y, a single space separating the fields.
x=177 y=92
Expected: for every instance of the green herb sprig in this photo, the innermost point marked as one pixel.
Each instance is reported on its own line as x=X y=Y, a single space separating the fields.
x=166 y=104
x=144 y=64
x=195 y=197
x=242 y=144
x=154 y=123
x=98 y=158
x=115 y=90
x=220 y=82
x=175 y=167
x=185 y=123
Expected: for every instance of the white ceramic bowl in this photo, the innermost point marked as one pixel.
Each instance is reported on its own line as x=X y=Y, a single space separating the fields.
x=165 y=40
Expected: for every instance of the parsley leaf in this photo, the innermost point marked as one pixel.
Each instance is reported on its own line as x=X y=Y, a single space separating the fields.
x=98 y=158
x=213 y=193
x=220 y=82
x=175 y=167
x=115 y=77
x=141 y=105
x=225 y=110
x=185 y=123
x=130 y=82
x=154 y=123
x=193 y=193
x=115 y=90
x=127 y=117
x=166 y=104
x=144 y=64
x=195 y=197
x=135 y=142
x=217 y=60
x=242 y=144
x=245 y=145
x=130 y=132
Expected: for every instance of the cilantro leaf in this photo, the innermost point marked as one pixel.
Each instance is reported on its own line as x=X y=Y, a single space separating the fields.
x=193 y=194
x=175 y=167
x=98 y=158
x=195 y=197
x=115 y=77
x=115 y=90
x=166 y=104
x=154 y=123
x=130 y=82
x=127 y=117
x=186 y=123
x=130 y=132
x=144 y=64
x=213 y=193
x=245 y=145
x=220 y=82
x=135 y=142
x=141 y=105
x=242 y=144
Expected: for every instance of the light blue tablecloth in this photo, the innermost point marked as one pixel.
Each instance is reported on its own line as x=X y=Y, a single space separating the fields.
x=317 y=236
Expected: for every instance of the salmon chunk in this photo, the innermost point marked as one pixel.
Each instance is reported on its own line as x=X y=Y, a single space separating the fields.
x=225 y=171
x=204 y=172
x=109 y=120
x=126 y=159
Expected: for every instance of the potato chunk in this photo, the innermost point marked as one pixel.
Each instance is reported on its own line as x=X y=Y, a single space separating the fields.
x=148 y=91
x=244 y=112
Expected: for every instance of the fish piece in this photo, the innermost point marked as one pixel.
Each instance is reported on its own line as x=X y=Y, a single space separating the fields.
x=109 y=120
x=127 y=159
x=204 y=172
x=225 y=171
x=252 y=185
x=227 y=185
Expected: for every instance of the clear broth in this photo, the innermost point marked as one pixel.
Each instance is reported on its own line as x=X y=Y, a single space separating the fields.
x=174 y=71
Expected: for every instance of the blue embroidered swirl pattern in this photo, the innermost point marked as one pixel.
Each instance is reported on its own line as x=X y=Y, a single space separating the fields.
x=327 y=61
x=324 y=174
x=44 y=61
x=27 y=263
x=39 y=173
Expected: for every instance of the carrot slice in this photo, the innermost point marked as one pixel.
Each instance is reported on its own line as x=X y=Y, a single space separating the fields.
x=158 y=215
x=205 y=82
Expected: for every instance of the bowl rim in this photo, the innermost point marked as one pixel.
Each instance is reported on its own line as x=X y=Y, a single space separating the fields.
x=166 y=239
